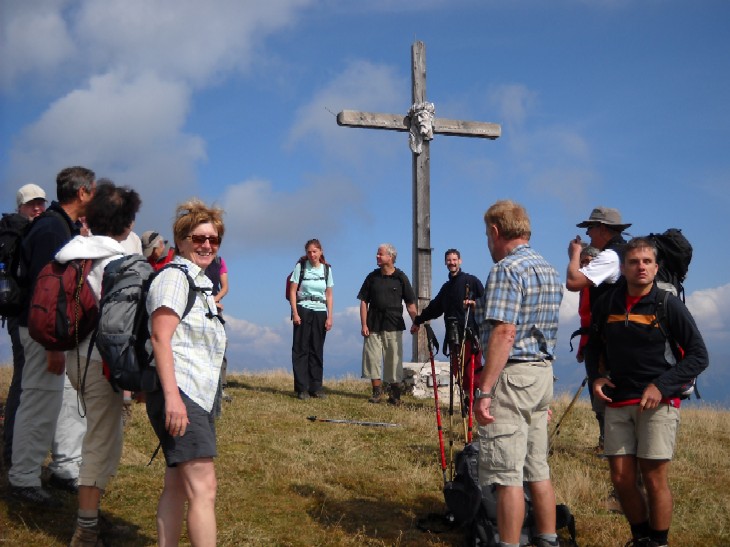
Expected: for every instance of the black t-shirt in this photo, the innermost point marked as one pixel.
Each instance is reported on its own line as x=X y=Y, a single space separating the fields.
x=385 y=295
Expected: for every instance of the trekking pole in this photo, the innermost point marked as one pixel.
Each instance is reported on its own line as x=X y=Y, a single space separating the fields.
x=556 y=431
x=462 y=358
x=460 y=386
x=433 y=343
x=471 y=396
x=351 y=422
x=451 y=422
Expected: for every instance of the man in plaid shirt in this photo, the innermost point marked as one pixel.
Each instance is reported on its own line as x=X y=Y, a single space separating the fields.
x=518 y=320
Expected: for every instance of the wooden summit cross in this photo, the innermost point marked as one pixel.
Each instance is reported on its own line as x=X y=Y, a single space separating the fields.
x=421 y=132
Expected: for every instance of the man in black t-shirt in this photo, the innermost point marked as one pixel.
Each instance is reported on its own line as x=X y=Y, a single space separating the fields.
x=381 y=317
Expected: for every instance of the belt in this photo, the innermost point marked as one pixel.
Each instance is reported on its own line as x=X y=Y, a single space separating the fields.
x=524 y=361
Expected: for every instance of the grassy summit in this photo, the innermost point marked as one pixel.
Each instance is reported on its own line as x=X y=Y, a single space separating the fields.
x=283 y=480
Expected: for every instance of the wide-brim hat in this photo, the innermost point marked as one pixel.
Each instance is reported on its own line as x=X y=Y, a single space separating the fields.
x=150 y=240
x=607 y=216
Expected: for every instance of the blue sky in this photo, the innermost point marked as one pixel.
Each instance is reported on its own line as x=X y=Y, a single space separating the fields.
x=616 y=103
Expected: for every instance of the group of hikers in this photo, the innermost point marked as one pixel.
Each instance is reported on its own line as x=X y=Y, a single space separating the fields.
x=636 y=381
x=641 y=348
x=63 y=402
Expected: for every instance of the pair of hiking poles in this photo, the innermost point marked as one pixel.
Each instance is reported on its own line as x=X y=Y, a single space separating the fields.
x=468 y=420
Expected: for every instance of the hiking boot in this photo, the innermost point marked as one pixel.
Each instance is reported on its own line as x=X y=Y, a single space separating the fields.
x=377 y=395
x=318 y=394
x=394 y=398
x=302 y=395
x=36 y=495
x=86 y=537
x=59 y=483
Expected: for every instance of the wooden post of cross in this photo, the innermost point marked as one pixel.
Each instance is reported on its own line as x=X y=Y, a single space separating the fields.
x=422 y=125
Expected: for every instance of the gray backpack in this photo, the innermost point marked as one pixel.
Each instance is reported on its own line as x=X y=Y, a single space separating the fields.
x=122 y=331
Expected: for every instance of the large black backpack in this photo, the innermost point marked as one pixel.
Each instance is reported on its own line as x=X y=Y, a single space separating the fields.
x=13 y=227
x=475 y=508
x=674 y=254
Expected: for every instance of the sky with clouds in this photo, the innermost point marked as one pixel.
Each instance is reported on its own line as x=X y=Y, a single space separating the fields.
x=613 y=102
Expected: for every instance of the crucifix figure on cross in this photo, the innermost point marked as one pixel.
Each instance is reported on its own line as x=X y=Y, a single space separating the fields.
x=422 y=125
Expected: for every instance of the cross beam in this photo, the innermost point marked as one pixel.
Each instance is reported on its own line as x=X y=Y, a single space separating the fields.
x=441 y=126
x=421 y=276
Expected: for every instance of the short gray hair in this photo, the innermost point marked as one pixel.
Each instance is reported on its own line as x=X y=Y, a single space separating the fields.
x=389 y=249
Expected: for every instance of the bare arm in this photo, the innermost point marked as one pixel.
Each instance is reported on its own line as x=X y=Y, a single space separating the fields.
x=412 y=311
x=224 y=288
x=574 y=279
x=329 y=299
x=501 y=340
x=164 y=323
x=293 y=303
x=364 y=318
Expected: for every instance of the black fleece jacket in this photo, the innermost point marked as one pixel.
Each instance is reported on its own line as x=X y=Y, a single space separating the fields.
x=636 y=351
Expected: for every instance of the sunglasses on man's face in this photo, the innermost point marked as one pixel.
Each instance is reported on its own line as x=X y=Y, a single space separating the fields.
x=200 y=239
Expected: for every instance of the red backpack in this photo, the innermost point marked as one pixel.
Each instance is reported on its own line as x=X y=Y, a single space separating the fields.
x=63 y=310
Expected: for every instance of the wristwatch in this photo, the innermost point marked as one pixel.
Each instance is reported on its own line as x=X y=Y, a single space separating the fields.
x=479 y=394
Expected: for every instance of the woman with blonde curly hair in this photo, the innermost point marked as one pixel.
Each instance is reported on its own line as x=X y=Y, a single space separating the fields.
x=188 y=351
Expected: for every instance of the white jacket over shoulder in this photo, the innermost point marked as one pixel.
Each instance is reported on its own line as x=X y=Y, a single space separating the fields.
x=100 y=249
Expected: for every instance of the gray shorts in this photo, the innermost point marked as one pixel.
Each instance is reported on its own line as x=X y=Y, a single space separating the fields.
x=647 y=434
x=514 y=448
x=387 y=348
x=199 y=439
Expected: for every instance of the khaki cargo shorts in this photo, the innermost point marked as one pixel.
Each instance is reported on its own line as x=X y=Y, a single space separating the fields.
x=648 y=434
x=382 y=353
x=514 y=448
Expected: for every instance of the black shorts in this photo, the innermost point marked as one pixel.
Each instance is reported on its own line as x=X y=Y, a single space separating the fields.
x=199 y=439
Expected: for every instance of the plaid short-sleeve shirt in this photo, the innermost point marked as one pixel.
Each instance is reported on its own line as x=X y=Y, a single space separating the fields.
x=524 y=290
x=199 y=341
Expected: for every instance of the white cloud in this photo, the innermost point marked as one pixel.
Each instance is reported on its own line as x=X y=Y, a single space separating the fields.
x=129 y=129
x=554 y=161
x=184 y=40
x=362 y=86
x=139 y=62
x=268 y=217
x=711 y=310
x=33 y=38
x=180 y=39
x=514 y=103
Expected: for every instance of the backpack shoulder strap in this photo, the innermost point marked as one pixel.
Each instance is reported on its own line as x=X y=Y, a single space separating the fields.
x=302 y=263
x=192 y=288
x=663 y=324
x=660 y=311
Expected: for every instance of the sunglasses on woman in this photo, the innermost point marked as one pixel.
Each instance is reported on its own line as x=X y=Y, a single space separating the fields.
x=200 y=239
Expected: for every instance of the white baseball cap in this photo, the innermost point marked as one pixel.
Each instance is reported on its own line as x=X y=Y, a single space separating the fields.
x=29 y=192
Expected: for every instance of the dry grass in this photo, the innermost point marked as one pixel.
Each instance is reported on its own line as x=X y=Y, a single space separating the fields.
x=284 y=480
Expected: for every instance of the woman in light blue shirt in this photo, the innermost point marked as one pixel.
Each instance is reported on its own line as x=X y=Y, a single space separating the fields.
x=310 y=296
